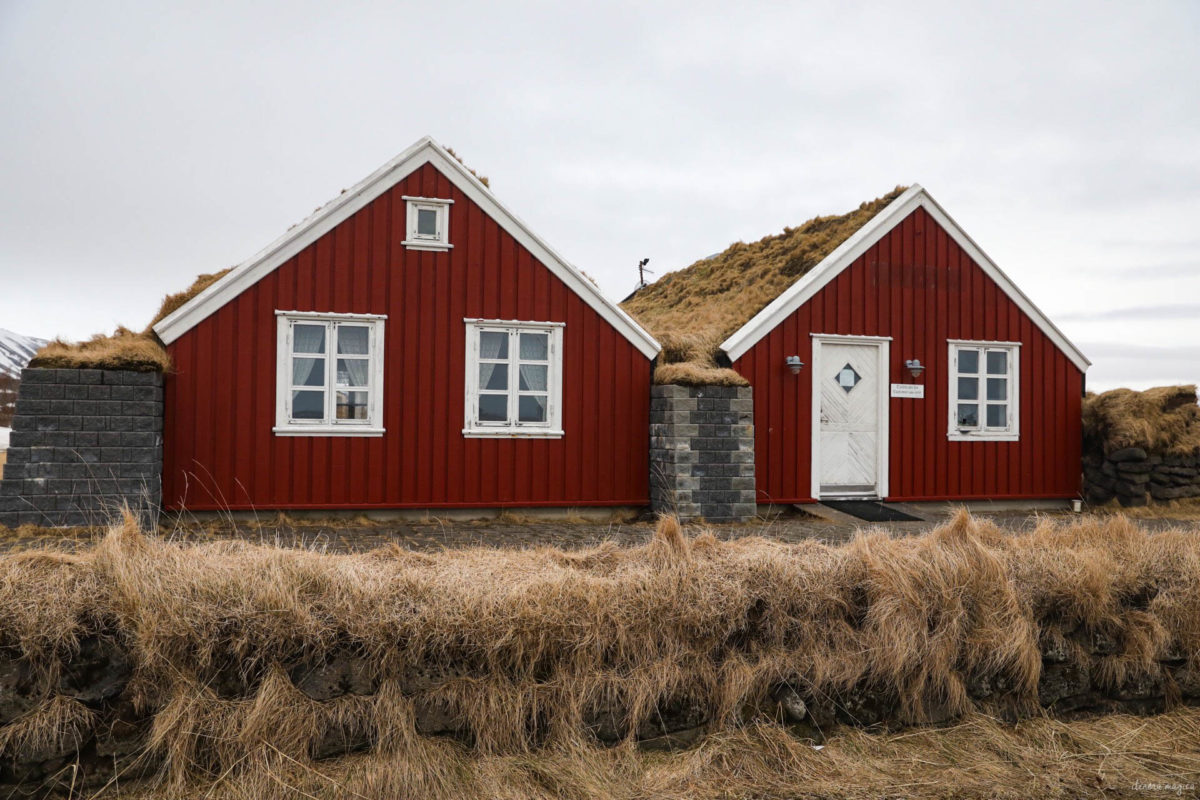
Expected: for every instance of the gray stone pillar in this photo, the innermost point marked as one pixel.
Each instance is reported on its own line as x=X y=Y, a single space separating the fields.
x=84 y=442
x=702 y=452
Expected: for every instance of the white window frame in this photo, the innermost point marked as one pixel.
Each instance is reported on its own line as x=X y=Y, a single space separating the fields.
x=1010 y=432
x=439 y=241
x=552 y=427
x=330 y=425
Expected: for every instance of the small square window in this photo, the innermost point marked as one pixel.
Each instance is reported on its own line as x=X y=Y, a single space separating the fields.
x=428 y=224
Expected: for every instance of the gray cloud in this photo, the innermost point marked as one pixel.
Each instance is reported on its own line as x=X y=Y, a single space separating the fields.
x=1187 y=311
x=146 y=146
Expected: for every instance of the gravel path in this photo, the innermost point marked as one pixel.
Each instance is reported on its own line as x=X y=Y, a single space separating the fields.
x=433 y=534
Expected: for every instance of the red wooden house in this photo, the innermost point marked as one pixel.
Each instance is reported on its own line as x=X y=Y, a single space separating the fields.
x=411 y=344
x=907 y=366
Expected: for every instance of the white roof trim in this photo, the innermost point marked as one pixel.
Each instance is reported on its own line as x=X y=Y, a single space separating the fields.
x=350 y=201
x=813 y=281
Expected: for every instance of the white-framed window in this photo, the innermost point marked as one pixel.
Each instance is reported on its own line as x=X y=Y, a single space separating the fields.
x=984 y=390
x=428 y=223
x=329 y=374
x=514 y=379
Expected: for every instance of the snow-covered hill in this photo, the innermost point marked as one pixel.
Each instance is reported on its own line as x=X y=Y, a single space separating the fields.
x=15 y=351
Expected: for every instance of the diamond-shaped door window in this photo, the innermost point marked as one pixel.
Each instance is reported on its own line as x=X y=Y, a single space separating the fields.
x=847 y=378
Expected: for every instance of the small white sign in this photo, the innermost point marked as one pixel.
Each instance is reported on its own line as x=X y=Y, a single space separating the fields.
x=908 y=390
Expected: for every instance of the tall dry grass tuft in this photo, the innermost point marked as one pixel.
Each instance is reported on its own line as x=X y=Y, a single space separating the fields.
x=1163 y=420
x=250 y=663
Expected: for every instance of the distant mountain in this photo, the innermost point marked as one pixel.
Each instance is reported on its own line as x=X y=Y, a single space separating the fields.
x=15 y=352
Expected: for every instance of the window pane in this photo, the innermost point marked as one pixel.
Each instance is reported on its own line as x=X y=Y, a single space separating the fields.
x=968 y=415
x=351 y=405
x=353 y=339
x=493 y=376
x=308 y=404
x=352 y=371
x=427 y=222
x=968 y=361
x=968 y=388
x=308 y=338
x=997 y=388
x=997 y=416
x=493 y=345
x=493 y=408
x=535 y=346
x=533 y=408
x=533 y=377
x=308 y=372
x=997 y=362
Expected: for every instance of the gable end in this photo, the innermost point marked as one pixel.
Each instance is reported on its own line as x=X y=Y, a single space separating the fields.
x=848 y=252
x=352 y=200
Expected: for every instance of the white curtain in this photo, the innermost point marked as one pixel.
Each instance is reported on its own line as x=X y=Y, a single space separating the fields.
x=493 y=344
x=308 y=338
x=303 y=369
x=352 y=371
x=352 y=339
x=533 y=378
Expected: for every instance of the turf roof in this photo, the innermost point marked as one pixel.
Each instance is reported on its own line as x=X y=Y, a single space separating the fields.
x=693 y=310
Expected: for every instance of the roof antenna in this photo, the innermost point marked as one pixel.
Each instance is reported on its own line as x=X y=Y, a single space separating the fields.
x=642 y=272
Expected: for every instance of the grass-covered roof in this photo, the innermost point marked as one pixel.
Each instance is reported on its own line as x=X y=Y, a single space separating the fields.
x=693 y=310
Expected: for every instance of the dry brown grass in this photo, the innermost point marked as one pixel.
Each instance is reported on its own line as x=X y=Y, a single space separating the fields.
x=978 y=758
x=173 y=302
x=701 y=305
x=481 y=178
x=122 y=349
x=3 y=458
x=1164 y=420
x=693 y=374
x=1187 y=509
x=523 y=644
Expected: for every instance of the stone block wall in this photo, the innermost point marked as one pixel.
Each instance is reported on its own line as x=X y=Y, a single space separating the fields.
x=84 y=442
x=1137 y=478
x=702 y=452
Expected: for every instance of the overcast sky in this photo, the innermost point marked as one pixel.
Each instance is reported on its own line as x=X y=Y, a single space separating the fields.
x=144 y=143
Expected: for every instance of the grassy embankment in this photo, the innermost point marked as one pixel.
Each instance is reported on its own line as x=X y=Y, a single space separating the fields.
x=524 y=647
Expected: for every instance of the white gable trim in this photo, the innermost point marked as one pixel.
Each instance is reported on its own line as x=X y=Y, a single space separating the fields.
x=352 y=200
x=812 y=282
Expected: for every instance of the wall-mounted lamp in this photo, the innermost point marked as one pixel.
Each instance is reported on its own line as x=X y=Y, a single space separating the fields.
x=915 y=367
x=795 y=364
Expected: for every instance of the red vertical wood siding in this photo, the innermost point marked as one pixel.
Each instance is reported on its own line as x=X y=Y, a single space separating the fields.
x=919 y=287
x=220 y=452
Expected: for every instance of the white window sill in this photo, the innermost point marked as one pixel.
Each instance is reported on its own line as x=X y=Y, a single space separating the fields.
x=510 y=433
x=972 y=436
x=432 y=246
x=326 y=430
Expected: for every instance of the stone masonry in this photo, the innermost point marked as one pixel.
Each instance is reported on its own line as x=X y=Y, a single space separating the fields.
x=702 y=452
x=84 y=442
x=1137 y=478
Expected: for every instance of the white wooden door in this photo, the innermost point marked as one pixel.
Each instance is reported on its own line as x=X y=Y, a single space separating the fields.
x=849 y=436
